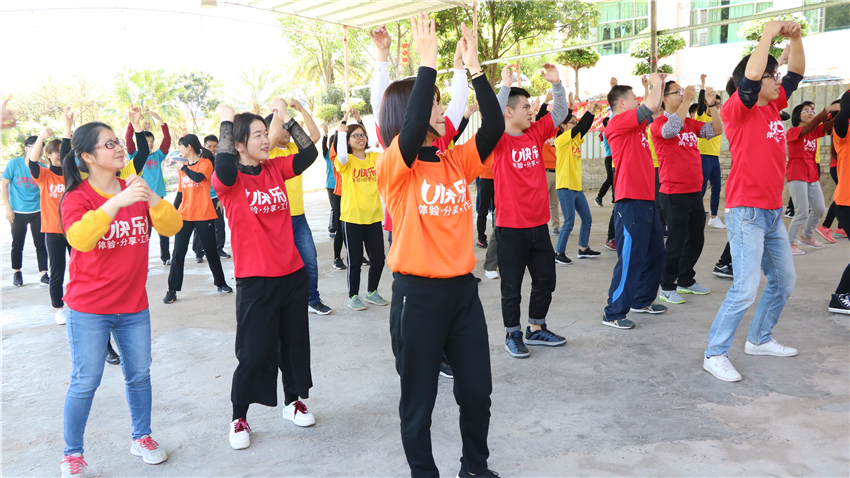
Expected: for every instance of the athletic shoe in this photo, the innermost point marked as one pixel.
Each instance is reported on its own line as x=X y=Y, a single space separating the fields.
x=339 y=265
x=166 y=262
x=515 y=346
x=721 y=368
x=486 y=474
x=716 y=222
x=149 y=450
x=651 y=309
x=297 y=413
x=671 y=296
x=365 y=263
x=240 y=434
x=724 y=271
x=223 y=255
x=588 y=254
x=199 y=259
x=73 y=465
x=795 y=250
x=446 y=370
x=811 y=242
x=61 y=315
x=319 y=308
x=225 y=288
x=694 y=289
x=825 y=233
x=772 y=347
x=491 y=274
x=477 y=279
x=598 y=201
x=611 y=245
x=112 y=357
x=375 y=298
x=624 y=324
x=482 y=244
x=170 y=297
x=543 y=337
x=789 y=212
x=18 y=279
x=355 y=303
x=45 y=279
x=562 y=259
x=556 y=231
x=332 y=235
x=839 y=232
x=840 y=304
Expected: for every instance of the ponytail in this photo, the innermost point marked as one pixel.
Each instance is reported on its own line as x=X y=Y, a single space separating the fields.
x=191 y=141
x=84 y=141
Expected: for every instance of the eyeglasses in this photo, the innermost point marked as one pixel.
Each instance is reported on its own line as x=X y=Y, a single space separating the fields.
x=359 y=136
x=776 y=77
x=112 y=143
x=572 y=122
x=677 y=92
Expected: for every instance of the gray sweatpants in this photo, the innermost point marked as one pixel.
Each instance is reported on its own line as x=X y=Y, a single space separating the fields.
x=805 y=195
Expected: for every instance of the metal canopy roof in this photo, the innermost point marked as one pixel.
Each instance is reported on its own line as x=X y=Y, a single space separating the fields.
x=353 y=13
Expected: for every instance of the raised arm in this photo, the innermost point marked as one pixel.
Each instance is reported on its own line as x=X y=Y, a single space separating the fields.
x=225 y=156
x=165 y=144
x=715 y=128
x=840 y=122
x=312 y=129
x=36 y=150
x=460 y=90
x=381 y=75
x=143 y=151
x=586 y=121
x=279 y=117
x=417 y=116
x=128 y=139
x=560 y=109
x=307 y=152
x=676 y=121
x=505 y=91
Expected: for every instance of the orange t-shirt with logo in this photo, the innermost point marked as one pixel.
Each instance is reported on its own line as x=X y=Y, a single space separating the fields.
x=197 y=204
x=51 y=186
x=842 y=167
x=550 y=157
x=431 y=210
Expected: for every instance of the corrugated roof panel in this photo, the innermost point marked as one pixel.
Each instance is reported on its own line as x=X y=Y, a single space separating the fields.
x=355 y=13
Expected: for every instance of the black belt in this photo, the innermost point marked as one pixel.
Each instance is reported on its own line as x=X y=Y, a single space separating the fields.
x=550 y=170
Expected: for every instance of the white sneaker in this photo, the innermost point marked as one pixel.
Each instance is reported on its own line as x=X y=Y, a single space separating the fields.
x=716 y=222
x=770 y=348
x=297 y=413
x=73 y=466
x=491 y=274
x=149 y=450
x=60 y=316
x=240 y=437
x=721 y=368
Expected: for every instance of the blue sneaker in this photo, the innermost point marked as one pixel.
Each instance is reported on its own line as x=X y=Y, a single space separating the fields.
x=543 y=337
x=515 y=346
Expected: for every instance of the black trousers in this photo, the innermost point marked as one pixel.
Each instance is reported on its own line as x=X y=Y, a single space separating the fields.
x=486 y=194
x=725 y=256
x=272 y=332
x=659 y=200
x=339 y=238
x=205 y=229
x=518 y=249
x=19 y=234
x=609 y=178
x=356 y=236
x=429 y=318
x=57 y=247
x=830 y=213
x=843 y=214
x=685 y=238
x=219 y=233
x=331 y=226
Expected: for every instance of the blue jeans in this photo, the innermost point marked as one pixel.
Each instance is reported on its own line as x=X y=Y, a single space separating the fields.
x=573 y=202
x=757 y=239
x=711 y=172
x=307 y=250
x=87 y=336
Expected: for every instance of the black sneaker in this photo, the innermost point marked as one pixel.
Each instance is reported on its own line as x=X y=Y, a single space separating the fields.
x=446 y=370
x=477 y=279
x=199 y=259
x=562 y=259
x=45 y=279
x=486 y=474
x=482 y=244
x=225 y=288
x=112 y=357
x=365 y=263
x=543 y=337
x=170 y=297
x=166 y=262
x=725 y=271
x=223 y=255
x=339 y=265
x=515 y=346
x=598 y=201
x=588 y=254
x=840 y=304
x=18 y=279
x=319 y=308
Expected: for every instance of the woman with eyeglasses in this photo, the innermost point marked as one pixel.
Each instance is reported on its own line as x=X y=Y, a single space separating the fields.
x=803 y=172
x=106 y=220
x=360 y=213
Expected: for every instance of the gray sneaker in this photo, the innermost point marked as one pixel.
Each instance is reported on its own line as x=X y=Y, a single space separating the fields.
x=650 y=309
x=355 y=303
x=694 y=289
x=671 y=296
x=375 y=298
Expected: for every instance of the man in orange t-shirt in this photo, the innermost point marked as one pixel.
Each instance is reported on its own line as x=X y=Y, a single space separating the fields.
x=840 y=302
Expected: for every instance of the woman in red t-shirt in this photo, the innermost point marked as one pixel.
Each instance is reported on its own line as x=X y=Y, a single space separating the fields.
x=803 y=174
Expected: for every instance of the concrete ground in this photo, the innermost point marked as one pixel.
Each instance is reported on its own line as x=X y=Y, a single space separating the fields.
x=611 y=402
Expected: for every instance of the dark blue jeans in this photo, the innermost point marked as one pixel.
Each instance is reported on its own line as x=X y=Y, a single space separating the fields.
x=711 y=172
x=307 y=250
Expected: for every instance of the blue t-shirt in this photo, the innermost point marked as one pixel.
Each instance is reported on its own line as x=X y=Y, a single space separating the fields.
x=23 y=191
x=212 y=191
x=152 y=172
x=330 y=182
x=605 y=145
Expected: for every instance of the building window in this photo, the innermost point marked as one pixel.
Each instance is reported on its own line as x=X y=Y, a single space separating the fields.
x=705 y=11
x=619 y=19
x=828 y=19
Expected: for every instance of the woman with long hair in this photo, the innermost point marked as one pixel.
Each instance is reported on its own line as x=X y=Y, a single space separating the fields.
x=106 y=221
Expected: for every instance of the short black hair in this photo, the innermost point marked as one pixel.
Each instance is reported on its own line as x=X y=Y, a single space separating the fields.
x=30 y=141
x=150 y=135
x=739 y=73
x=795 y=113
x=210 y=137
x=515 y=95
x=617 y=93
x=693 y=109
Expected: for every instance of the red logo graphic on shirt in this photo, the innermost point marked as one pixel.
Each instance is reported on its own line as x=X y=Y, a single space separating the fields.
x=55 y=190
x=125 y=233
x=365 y=174
x=266 y=201
x=689 y=139
x=776 y=131
x=525 y=157
x=810 y=146
x=444 y=200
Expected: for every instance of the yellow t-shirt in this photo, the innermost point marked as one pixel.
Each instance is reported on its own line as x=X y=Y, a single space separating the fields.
x=568 y=165
x=711 y=146
x=361 y=203
x=294 y=186
x=651 y=148
x=817 y=152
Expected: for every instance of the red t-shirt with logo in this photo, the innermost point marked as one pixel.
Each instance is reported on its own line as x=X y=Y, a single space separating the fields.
x=111 y=278
x=802 y=164
x=521 y=189
x=51 y=186
x=757 y=143
x=679 y=161
x=634 y=172
x=260 y=221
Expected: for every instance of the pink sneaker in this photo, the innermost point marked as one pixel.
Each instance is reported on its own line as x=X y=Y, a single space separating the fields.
x=811 y=242
x=796 y=250
x=840 y=232
x=826 y=233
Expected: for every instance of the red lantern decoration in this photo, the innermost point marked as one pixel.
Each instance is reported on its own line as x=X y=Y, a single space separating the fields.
x=405 y=60
x=405 y=52
x=405 y=45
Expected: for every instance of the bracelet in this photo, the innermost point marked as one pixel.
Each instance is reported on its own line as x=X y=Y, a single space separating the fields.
x=477 y=73
x=713 y=106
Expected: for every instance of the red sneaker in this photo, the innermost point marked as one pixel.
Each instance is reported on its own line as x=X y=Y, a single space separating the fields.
x=825 y=233
x=610 y=244
x=839 y=232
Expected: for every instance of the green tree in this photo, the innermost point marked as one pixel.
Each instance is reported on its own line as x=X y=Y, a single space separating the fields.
x=150 y=90
x=321 y=55
x=258 y=89
x=752 y=30
x=578 y=59
x=667 y=46
x=199 y=93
